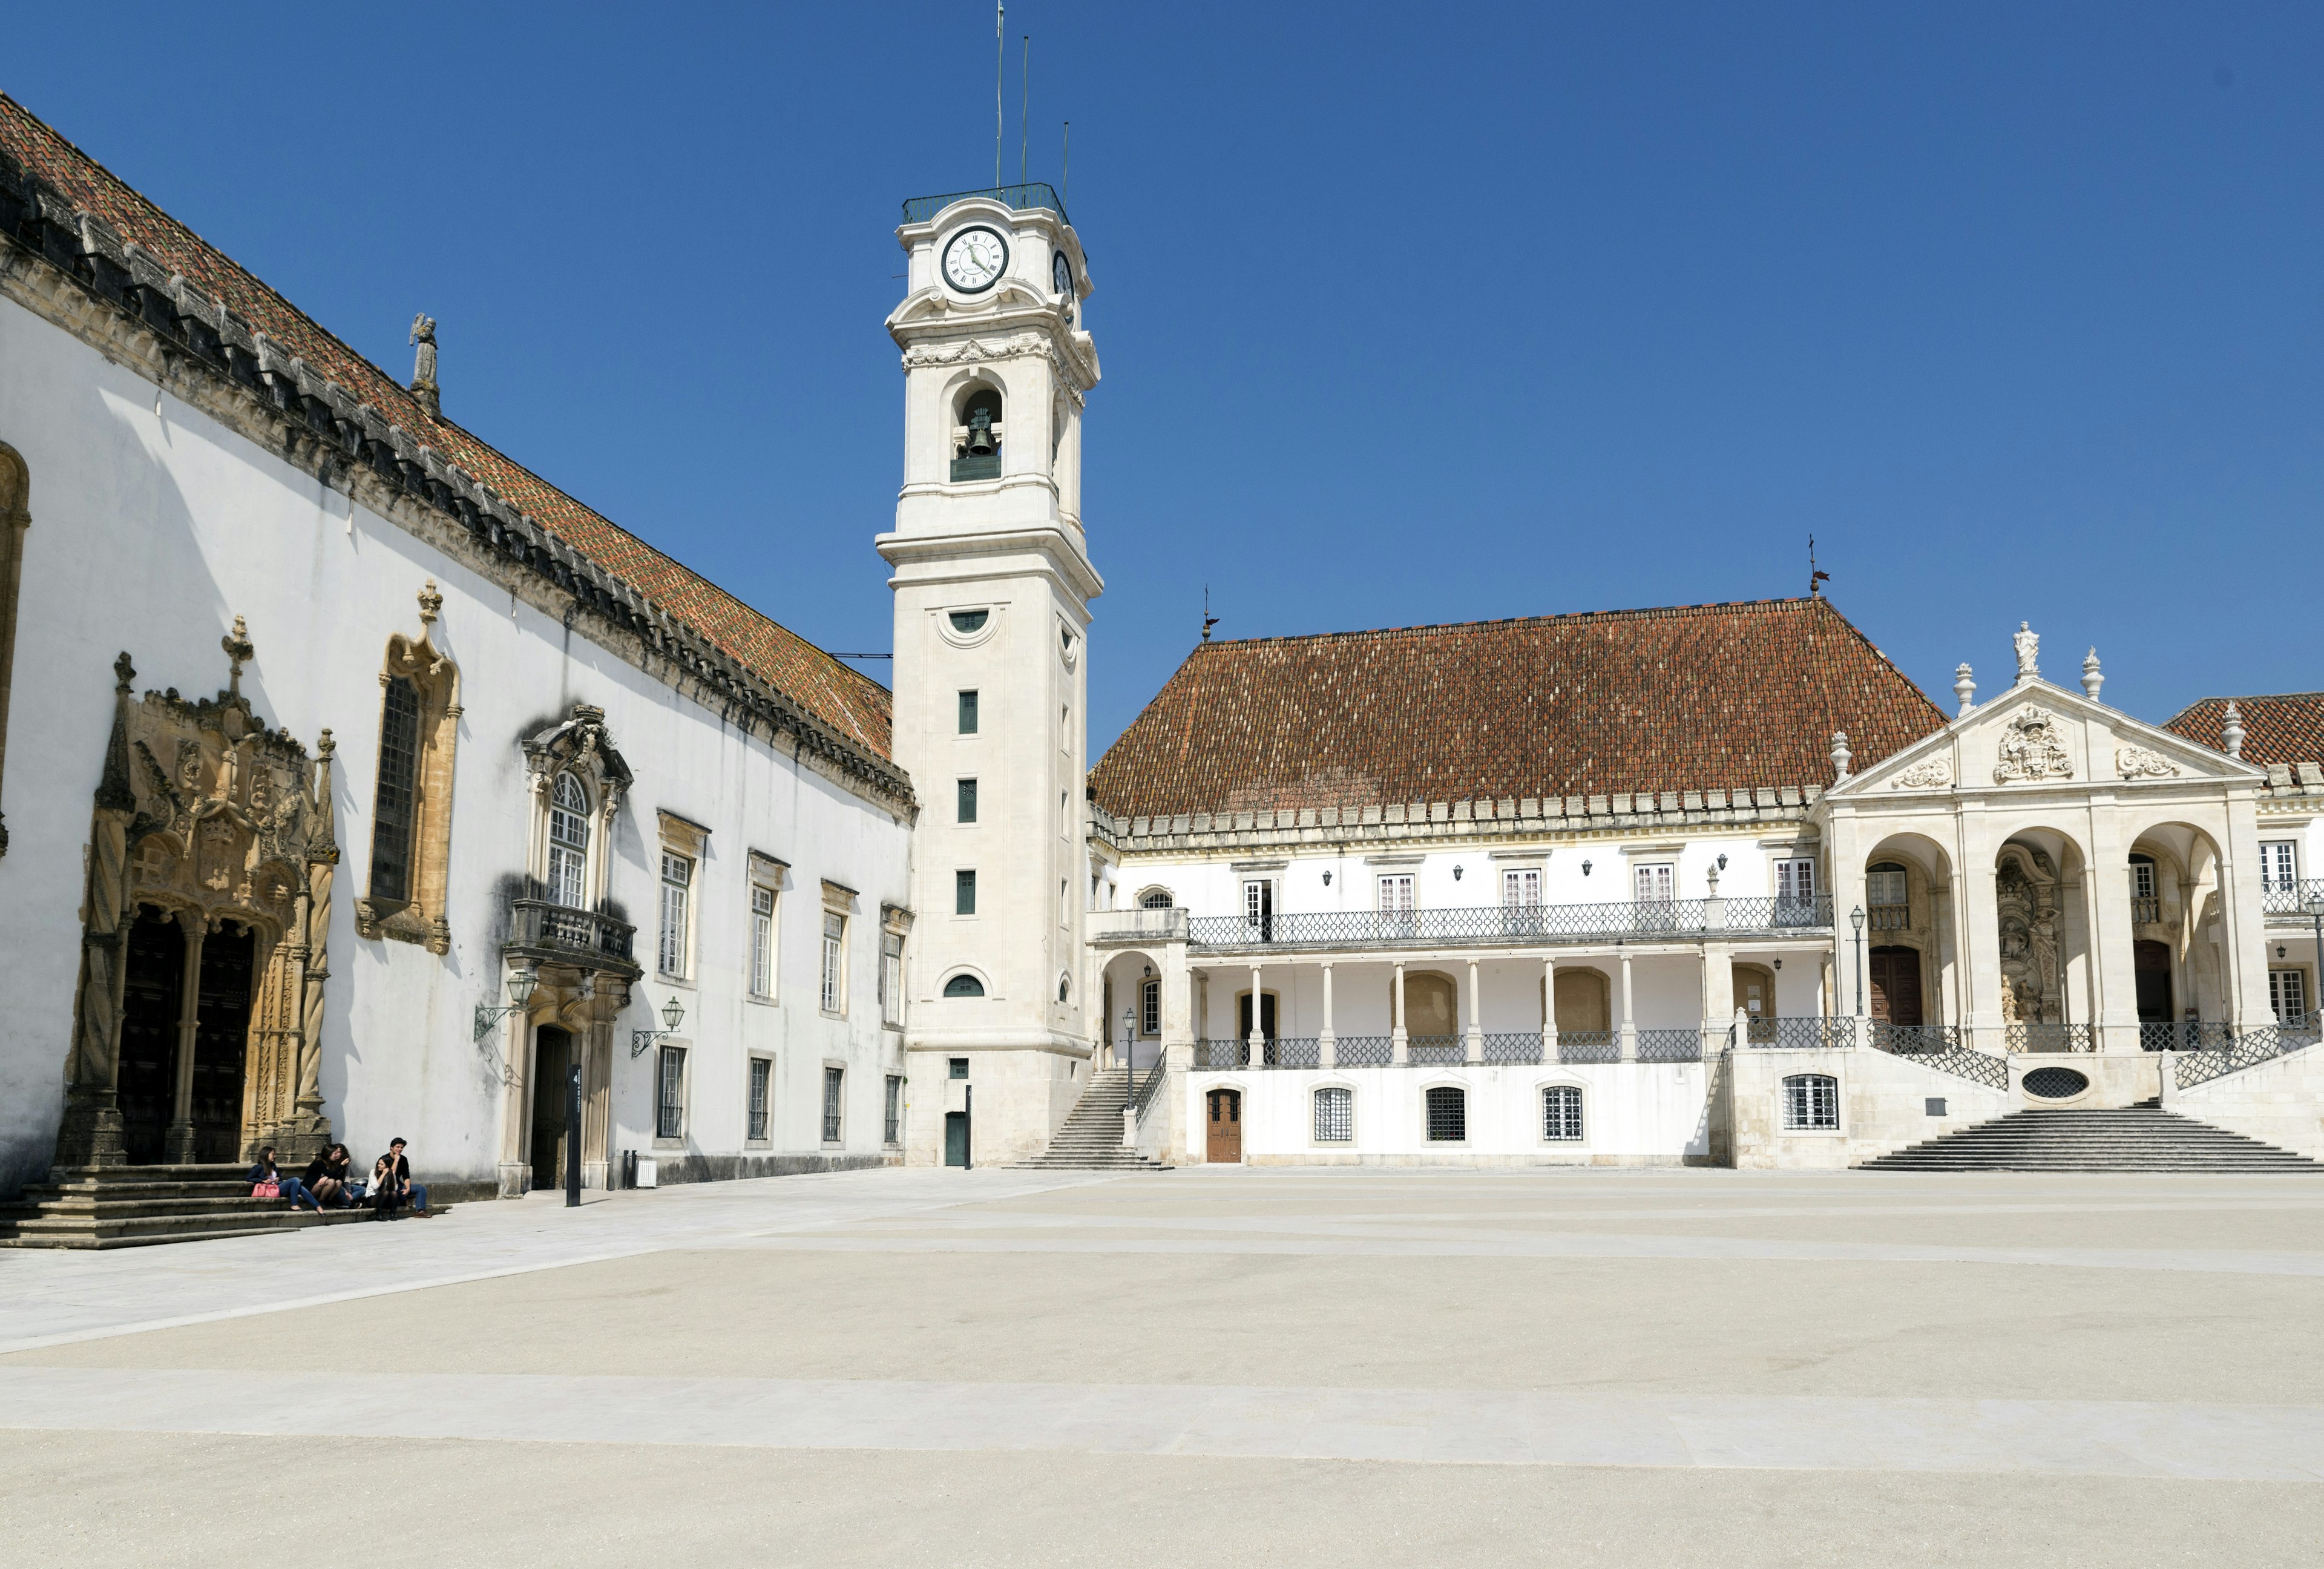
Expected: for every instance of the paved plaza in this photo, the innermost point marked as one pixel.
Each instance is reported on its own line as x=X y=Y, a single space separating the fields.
x=1220 y=1366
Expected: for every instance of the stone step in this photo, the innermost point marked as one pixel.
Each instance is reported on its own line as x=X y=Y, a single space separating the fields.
x=136 y=1230
x=2143 y=1137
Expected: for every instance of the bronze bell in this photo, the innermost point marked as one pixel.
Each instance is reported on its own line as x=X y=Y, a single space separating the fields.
x=979 y=433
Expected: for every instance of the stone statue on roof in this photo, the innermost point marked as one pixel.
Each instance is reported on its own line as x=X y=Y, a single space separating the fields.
x=423 y=365
x=2029 y=650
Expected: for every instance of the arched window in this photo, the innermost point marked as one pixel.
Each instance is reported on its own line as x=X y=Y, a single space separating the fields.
x=1448 y=1115
x=1065 y=988
x=568 y=842
x=411 y=798
x=1561 y=1112
x=399 y=788
x=963 y=986
x=1811 y=1103
x=976 y=440
x=1155 y=899
x=1336 y=1115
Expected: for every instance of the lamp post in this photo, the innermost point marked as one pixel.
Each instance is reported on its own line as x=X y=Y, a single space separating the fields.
x=1128 y=1063
x=2314 y=903
x=673 y=1012
x=520 y=983
x=1855 y=919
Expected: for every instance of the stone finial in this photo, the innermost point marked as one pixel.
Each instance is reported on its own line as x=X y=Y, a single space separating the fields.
x=1839 y=756
x=1964 y=688
x=430 y=601
x=423 y=365
x=2029 y=650
x=123 y=672
x=239 y=651
x=2231 y=730
x=2092 y=677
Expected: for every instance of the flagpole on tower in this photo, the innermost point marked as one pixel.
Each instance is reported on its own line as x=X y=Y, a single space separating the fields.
x=1024 y=126
x=999 y=74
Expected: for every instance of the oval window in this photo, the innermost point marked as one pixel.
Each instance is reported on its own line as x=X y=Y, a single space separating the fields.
x=2055 y=1084
x=963 y=986
x=968 y=621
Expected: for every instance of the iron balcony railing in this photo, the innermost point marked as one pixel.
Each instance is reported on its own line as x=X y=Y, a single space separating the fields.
x=1016 y=198
x=1589 y=1046
x=1217 y=1054
x=2300 y=899
x=1670 y=1045
x=1943 y=1047
x=2185 y=1035
x=1505 y=1049
x=1363 y=1051
x=1295 y=1051
x=2016 y=1037
x=1427 y=1050
x=1518 y=926
x=540 y=927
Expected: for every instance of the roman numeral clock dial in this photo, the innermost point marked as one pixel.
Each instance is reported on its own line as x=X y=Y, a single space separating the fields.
x=974 y=260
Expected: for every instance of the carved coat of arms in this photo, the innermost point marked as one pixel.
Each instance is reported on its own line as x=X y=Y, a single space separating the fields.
x=2032 y=750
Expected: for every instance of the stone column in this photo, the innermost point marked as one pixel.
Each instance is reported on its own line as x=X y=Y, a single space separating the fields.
x=1473 y=1044
x=1399 y=1052
x=516 y=1109
x=177 y=1145
x=1327 y=1046
x=1548 y=1008
x=1719 y=995
x=1256 y=1039
x=2114 y=999
x=90 y=1131
x=1629 y=1029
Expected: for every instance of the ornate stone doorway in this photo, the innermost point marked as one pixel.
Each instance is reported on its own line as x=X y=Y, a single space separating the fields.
x=150 y=1006
x=552 y=1065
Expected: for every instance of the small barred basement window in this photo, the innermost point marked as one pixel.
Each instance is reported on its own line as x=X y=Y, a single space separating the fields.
x=1561 y=1112
x=1448 y=1115
x=1811 y=1103
x=1335 y=1116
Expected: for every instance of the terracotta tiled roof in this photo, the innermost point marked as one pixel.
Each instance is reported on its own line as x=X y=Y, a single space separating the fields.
x=2287 y=728
x=1707 y=697
x=855 y=706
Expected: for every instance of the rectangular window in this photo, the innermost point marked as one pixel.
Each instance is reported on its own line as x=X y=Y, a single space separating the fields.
x=2278 y=866
x=835 y=968
x=761 y=1071
x=762 y=942
x=1149 y=1008
x=1883 y=887
x=1796 y=881
x=1258 y=904
x=968 y=712
x=891 y=979
x=1811 y=1103
x=2142 y=880
x=394 y=810
x=1656 y=882
x=1335 y=1116
x=966 y=790
x=833 y=1079
x=1561 y=1112
x=958 y=1067
x=676 y=879
x=1395 y=893
x=669 y=1102
x=2287 y=994
x=963 y=892
x=894 y=1130
x=1521 y=888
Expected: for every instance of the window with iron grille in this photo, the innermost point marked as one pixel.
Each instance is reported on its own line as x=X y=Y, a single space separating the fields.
x=968 y=712
x=1155 y=899
x=894 y=1130
x=833 y=1078
x=1149 y=1008
x=762 y=942
x=963 y=892
x=1561 y=1112
x=762 y=1072
x=1521 y=888
x=1448 y=1115
x=965 y=802
x=670 y=1103
x=568 y=842
x=1336 y=1115
x=892 y=978
x=1811 y=1103
x=393 y=812
x=677 y=884
x=2278 y=866
x=2287 y=995
x=835 y=953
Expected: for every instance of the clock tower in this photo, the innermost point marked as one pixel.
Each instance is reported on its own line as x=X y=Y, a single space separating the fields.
x=993 y=582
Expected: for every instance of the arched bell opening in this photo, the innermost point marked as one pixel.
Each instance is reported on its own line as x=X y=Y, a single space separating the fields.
x=977 y=434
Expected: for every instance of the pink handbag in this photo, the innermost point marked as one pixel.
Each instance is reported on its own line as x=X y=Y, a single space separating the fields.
x=267 y=1190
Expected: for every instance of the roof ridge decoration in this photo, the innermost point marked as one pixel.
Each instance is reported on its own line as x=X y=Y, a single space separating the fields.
x=200 y=311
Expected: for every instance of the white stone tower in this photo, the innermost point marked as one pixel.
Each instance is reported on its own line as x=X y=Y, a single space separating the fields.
x=993 y=581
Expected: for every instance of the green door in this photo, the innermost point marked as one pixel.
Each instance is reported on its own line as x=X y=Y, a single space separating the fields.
x=955 y=1138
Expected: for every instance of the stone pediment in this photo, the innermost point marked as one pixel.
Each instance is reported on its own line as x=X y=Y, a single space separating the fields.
x=2038 y=735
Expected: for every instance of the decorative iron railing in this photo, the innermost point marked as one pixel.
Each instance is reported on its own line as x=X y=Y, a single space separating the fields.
x=1427 y=1050
x=1504 y=1050
x=1363 y=1051
x=1670 y=1045
x=1942 y=1047
x=1516 y=927
x=2248 y=1049
x=1016 y=198
x=2023 y=1037
x=1295 y=1051
x=560 y=928
x=1156 y=1077
x=2299 y=899
x=1589 y=1046
x=2186 y=1035
x=1215 y=1054
x=1801 y=1034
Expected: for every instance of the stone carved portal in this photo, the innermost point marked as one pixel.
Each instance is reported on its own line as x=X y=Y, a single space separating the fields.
x=211 y=836
x=2025 y=897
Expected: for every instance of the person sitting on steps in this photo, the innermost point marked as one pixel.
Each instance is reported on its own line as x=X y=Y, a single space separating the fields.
x=263 y=1174
x=391 y=1186
x=327 y=1178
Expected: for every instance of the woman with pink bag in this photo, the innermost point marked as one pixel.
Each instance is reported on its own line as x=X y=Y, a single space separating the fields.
x=266 y=1182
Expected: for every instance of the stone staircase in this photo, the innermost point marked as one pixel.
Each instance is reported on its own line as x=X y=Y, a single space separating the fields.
x=2142 y=1138
x=131 y=1206
x=1091 y=1138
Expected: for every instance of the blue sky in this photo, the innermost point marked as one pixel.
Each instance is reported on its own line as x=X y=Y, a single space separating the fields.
x=1407 y=313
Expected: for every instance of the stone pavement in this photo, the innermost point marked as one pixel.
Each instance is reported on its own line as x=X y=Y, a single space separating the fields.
x=1221 y=1365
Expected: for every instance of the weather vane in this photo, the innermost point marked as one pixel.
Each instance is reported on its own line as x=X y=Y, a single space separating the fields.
x=1209 y=621
x=1817 y=577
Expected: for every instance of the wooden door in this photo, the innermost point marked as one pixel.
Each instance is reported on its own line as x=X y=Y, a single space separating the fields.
x=1224 y=1143
x=1895 y=982
x=150 y=1004
x=2153 y=961
x=552 y=1059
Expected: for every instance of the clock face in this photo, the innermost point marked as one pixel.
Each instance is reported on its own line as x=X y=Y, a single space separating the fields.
x=1060 y=273
x=974 y=260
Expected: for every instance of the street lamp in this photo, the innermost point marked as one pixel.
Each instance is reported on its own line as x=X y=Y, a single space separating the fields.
x=672 y=1012
x=1129 y=1061
x=1855 y=919
x=2314 y=905
x=520 y=987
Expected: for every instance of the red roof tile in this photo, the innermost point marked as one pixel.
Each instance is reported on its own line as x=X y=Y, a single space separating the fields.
x=852 y=703
x=1710 y=697
x=2286 y=728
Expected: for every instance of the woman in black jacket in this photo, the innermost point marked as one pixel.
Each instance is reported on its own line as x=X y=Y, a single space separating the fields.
x=327 y=1176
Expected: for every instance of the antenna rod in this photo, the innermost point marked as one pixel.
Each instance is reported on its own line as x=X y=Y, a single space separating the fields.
x=1024 y=128
x=1067 y=195
x=1000 y=72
